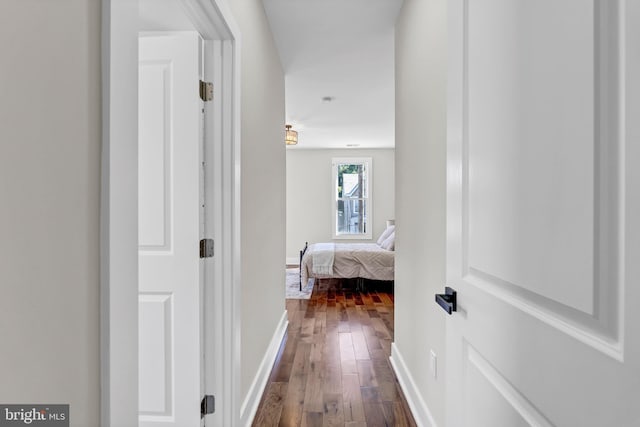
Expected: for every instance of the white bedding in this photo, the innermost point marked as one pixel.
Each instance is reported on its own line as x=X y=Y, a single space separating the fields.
x=351 y=260
x=323 y=256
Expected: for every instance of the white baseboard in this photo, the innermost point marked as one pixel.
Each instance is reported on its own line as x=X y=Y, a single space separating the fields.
x=419 y=408
x=252 y=400
x=293 y=261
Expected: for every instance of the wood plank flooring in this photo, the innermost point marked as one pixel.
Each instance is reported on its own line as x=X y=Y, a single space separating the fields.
x=333 y=367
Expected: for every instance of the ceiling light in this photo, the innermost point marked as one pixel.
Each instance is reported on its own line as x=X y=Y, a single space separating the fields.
x=291 y=136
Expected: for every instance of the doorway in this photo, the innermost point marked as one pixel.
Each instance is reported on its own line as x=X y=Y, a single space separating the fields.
x=219 y=335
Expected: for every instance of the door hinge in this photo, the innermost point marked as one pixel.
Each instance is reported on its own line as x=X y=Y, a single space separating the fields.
x=206 y=91
x=208 y=405
x=206 y=248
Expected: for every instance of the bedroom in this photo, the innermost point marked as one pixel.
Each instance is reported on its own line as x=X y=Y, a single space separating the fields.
x=311 y=209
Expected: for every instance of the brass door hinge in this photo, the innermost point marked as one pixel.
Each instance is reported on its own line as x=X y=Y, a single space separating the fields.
x=206 y=248
x=206 y=91
x=208 y=405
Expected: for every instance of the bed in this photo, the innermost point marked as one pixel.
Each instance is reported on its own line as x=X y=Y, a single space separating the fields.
x=374 y=261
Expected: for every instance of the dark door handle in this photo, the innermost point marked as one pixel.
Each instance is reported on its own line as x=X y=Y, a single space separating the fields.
x=448 y=300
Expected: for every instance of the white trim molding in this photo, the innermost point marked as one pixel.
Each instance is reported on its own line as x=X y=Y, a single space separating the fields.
x=252 y=400
x=418 y=406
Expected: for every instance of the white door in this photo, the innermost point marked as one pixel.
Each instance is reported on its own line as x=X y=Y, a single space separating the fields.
x=544 y=213
x=169 y=227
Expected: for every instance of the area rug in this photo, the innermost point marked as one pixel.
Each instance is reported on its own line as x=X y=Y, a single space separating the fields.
x=293 y=285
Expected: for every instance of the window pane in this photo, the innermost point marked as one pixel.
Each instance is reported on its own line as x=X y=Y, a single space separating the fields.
x=351 y=216
x=352 y=180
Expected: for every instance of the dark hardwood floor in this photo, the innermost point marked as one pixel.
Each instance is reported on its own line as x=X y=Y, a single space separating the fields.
x=333 y=367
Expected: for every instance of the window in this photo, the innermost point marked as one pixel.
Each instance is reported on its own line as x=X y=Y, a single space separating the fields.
x=351 y=198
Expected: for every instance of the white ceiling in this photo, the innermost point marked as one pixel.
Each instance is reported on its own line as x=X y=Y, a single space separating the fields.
x=342 y=49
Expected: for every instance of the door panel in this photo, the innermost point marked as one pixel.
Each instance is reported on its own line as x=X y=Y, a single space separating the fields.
x=169 y=218
x=536 y=214
x=520 y=90
x=156 y=344
x=497 y=403
x=154 y=145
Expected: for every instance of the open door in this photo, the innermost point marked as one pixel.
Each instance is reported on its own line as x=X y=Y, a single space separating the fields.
x=170 y=270
x=119 y=303
x=543 y=213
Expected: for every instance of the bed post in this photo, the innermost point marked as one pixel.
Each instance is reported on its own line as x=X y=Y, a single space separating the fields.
x=301 y=255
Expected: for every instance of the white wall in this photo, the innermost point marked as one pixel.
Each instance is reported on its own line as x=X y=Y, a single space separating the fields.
x=263 y=186
x=420 y=193
x=309 y=192
x=49 y=204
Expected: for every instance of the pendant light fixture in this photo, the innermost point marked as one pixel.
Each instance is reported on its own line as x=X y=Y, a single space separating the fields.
x=291 y=136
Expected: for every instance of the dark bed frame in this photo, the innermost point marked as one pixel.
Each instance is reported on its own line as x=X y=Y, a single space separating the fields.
x=302 y=252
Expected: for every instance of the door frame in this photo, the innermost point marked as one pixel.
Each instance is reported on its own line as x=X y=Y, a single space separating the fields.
x=119 y=208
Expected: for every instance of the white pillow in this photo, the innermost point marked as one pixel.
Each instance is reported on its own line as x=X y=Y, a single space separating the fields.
x=390 y=242
x=386 y=233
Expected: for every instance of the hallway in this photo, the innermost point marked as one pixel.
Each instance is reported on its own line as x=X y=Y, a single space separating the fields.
x=333 y=368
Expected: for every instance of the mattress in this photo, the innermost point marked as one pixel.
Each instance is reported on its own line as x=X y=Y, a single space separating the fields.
x=352 y=260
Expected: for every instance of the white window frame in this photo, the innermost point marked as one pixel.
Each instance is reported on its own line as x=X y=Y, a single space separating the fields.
x=368 y=163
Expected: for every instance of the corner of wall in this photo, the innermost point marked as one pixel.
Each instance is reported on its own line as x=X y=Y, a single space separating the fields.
x=254 y=395
x=419 y=408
